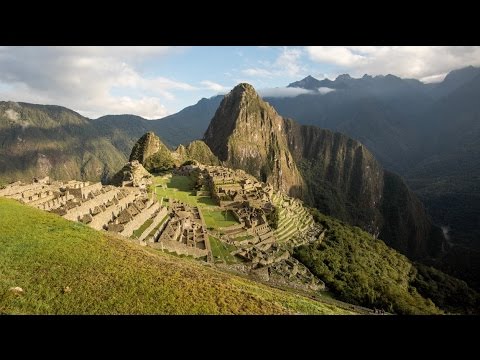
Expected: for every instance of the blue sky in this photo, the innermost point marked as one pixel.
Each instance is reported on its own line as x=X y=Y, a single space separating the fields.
x=157 y=81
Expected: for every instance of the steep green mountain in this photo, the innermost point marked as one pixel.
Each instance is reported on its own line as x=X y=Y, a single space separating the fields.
x=199 y=151
x=64 y=267
x=152 y=153
x=332 y=172
x=247 y=133
x=363 y=270
x=41 y=140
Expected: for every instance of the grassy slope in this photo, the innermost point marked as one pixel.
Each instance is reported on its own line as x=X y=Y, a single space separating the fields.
x=43 y=253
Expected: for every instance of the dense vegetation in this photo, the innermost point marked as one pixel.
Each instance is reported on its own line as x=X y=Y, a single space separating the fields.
x=65 y=267
x=273 y=218
x=199 y=151
x=446 y=291
x=159 y=161
x=365 y=271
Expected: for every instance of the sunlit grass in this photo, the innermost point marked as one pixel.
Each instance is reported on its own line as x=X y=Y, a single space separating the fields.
x=68 y=268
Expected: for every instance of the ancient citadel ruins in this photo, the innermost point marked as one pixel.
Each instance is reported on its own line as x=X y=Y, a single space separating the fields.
x=134 y=212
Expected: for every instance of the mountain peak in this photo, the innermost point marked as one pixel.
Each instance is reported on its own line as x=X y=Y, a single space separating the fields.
x=309 y=83
x=343 y=77
x=244 y=87
x=247 y=133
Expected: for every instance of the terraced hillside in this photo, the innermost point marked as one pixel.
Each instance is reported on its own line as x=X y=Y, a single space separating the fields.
x=294 y=219
x=49 y=265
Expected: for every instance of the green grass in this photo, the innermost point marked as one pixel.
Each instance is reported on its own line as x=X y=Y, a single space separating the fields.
x=43 y=254
x=158 y=226
x=244 y=237
x=137 y=233
x=205 y=201
x=221 y=251
x=182 y=188
x=217 y=218
x=178 y=187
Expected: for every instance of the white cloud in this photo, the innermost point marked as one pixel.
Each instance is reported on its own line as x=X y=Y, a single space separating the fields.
x=287 y=64
x=325 y=90
x=283 y=92
x=334 y=54
x=430 y=63
x=210 y=85
x=433 y=78
x=146 y=107
x=92 y=80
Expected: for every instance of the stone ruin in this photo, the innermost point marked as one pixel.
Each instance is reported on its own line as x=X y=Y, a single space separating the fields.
x=181 y=228
x=121 y=210
x=257 y=245
x=184 y=232
x=132 y=174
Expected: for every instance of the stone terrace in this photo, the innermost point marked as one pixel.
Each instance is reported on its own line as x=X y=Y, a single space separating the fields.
x=184 y=233
x=122 y=210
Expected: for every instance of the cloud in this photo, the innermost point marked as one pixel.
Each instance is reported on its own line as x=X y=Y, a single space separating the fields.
x=325 y=90
x=91 y=80
x=334 y=54
x=287 y=64
x=283 y=92
x=433 y=78
x=257 y=72
x=210 y=85
x=430 y=63
x=291 y=92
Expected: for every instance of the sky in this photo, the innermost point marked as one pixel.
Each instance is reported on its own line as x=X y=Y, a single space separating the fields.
x=154 y=82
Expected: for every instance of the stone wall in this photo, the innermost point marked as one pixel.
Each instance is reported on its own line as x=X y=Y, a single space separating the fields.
x=44 y=197
x=156 y=220
x=179 y=248
x=87 y=206
x=159 y=231
x=140 y=219
x=106 y=216
x=56 y=202
x=83 y=192
x=17 y=188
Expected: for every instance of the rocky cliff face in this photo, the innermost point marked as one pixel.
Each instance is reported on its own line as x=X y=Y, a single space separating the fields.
x=328 y=170
x=343 y=178
x=152 y=153
x=146 y=146
x=247 y=133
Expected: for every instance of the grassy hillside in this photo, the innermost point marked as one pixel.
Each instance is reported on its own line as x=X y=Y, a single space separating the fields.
x=68 y=268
